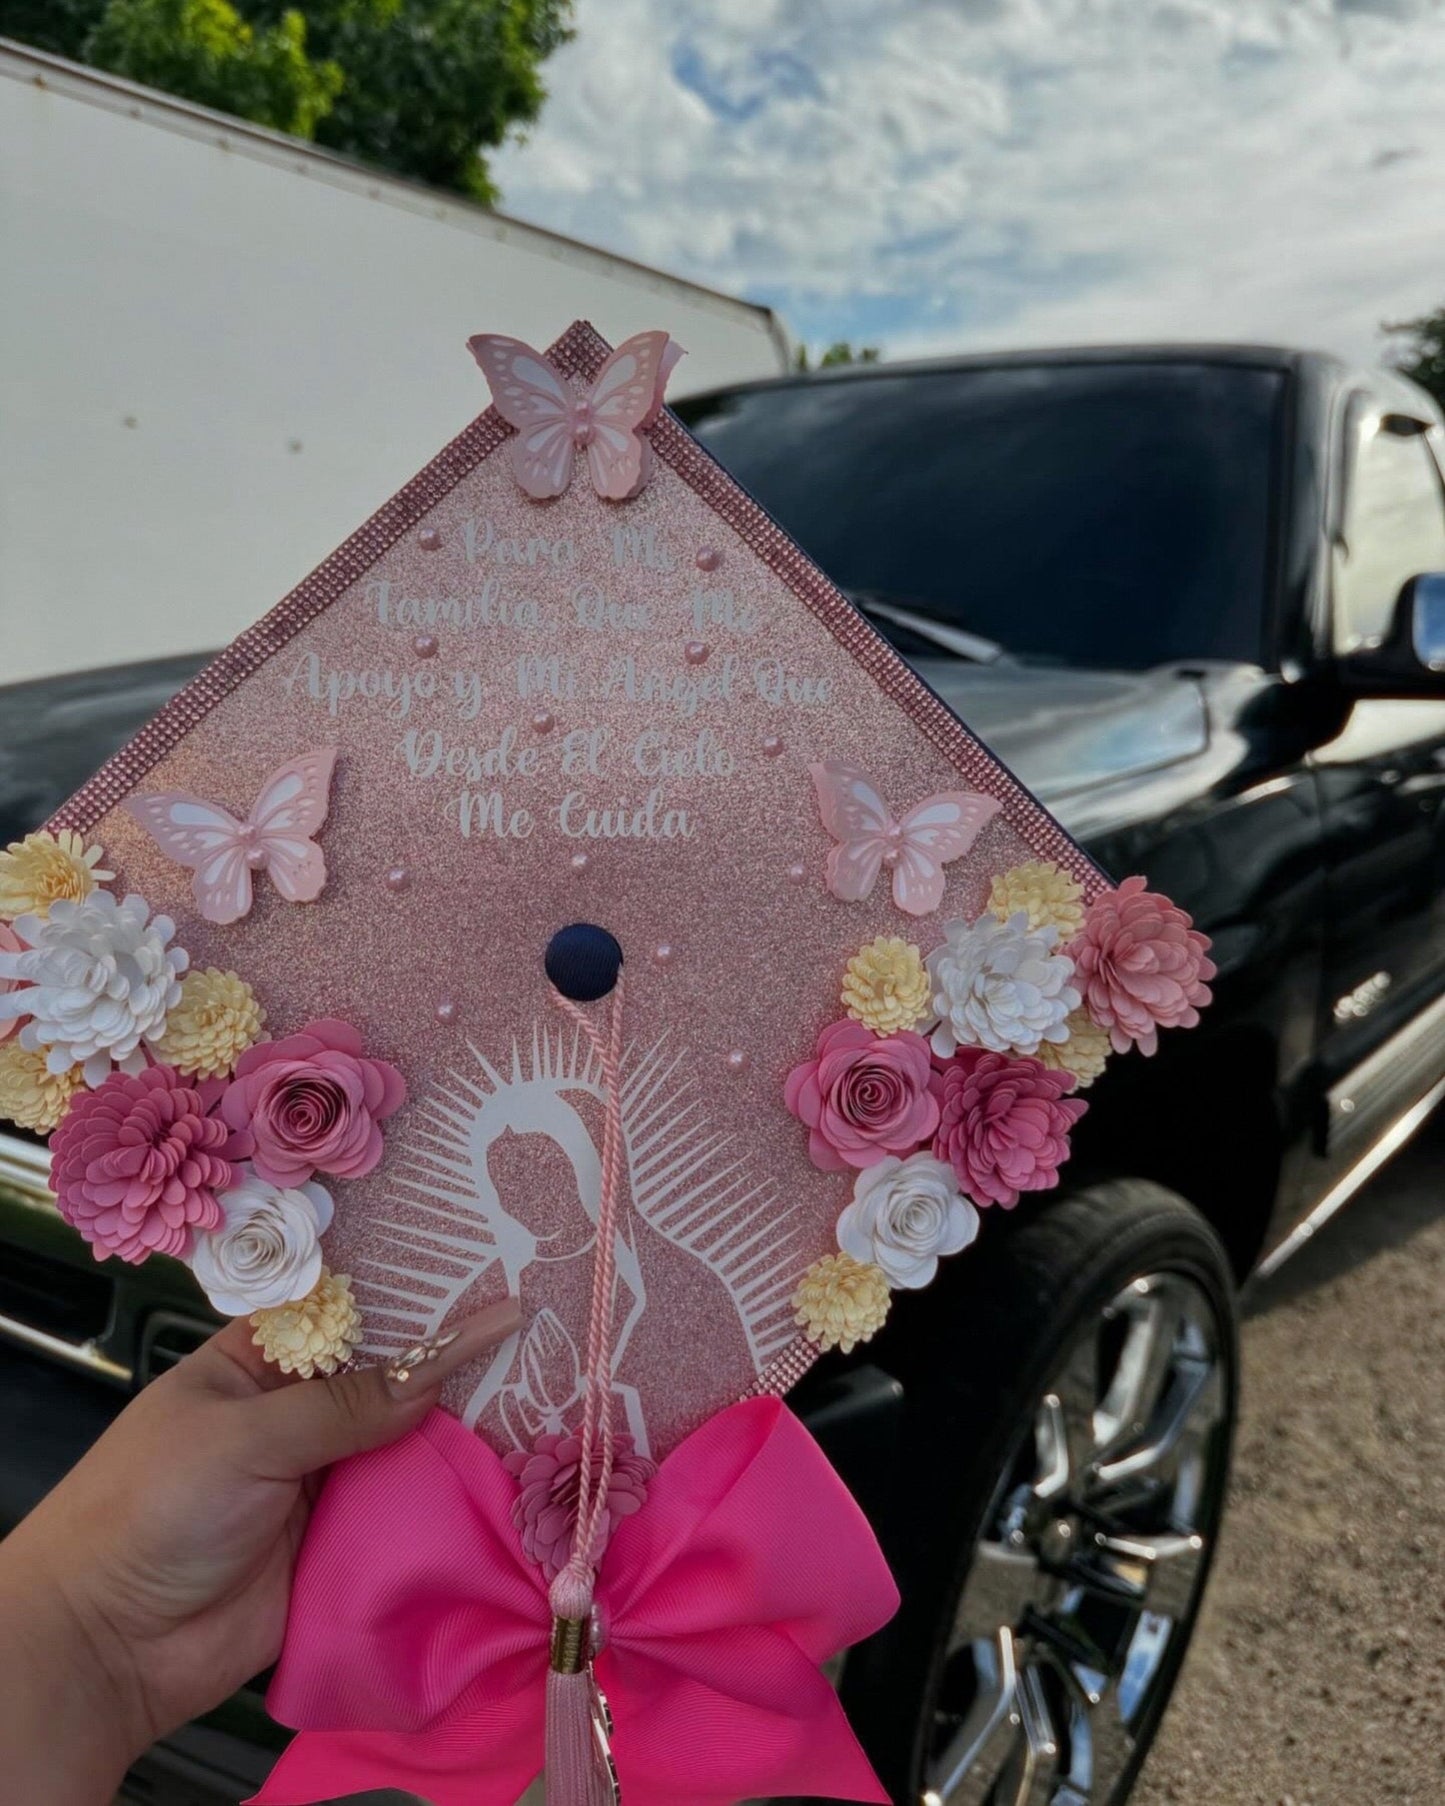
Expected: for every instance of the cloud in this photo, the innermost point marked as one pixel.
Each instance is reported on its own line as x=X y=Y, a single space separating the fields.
x=939 y=174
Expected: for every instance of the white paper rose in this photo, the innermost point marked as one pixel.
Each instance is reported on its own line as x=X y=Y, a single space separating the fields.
x=1000 y=985
x=267 y=1250
x=904 y=1215
x=101 y=976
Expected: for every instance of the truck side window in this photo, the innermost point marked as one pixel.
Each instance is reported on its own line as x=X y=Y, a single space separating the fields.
x=1394 y=529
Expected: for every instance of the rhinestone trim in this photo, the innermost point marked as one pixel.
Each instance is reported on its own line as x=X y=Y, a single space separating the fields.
x=784 y=1371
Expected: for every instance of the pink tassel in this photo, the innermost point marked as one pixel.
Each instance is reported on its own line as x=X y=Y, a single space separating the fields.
x=579 y=1767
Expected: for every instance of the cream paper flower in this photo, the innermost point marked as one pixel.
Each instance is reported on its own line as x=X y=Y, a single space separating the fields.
x=885 y=986
x=30 y=1093
x=267 y=1251
x=904 y=1215
x=1085 y=1053
x=46 y=868
x=314 y=1335
x=841 y=1302
x=1047 y=894
x=102 y=976
x=214 y=1023
x=1000 y=985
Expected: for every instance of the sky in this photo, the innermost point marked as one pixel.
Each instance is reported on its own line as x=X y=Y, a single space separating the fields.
x=934 y=175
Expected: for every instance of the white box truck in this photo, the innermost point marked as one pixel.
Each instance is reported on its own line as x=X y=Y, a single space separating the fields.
x=221 y=348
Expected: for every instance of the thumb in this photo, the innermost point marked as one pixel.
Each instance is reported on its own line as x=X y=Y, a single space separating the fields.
x=306 y=1426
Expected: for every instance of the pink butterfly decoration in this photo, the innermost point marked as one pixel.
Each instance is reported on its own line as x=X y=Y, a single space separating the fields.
x=275 y=837
x=554 y=422
x=916 y=849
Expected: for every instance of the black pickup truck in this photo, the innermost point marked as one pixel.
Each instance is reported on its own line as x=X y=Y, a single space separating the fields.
x=1195 y=597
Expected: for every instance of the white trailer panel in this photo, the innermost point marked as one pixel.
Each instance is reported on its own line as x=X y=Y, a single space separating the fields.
x=221 y=349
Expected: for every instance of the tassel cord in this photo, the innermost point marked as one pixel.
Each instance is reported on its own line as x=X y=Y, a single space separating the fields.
x=578 y=1761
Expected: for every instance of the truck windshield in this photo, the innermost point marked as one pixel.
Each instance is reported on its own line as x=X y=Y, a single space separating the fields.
x=1106 y=514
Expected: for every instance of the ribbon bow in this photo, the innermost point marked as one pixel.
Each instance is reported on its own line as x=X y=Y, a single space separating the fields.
x=417 y=1647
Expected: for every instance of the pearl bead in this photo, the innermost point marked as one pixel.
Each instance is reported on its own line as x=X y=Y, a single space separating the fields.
x=695 y=652
x=446 y=1010
x=429 y=539
x=737 y=1061
x=580 y=862
x=543 y=721
x=797 y=873
x=772 y=746
x=708 y=558
x=662 y=953
x=425 y=645
x=398 y=878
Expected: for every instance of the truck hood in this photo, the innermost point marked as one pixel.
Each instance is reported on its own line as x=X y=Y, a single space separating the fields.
x=1066 y=732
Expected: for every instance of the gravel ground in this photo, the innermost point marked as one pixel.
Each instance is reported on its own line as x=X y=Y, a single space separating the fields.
x=1317 y=1677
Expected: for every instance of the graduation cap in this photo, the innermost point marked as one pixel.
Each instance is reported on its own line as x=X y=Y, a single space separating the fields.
x=566 y=893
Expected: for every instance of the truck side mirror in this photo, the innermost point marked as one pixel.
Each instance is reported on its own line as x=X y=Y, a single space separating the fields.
x=1410 y=660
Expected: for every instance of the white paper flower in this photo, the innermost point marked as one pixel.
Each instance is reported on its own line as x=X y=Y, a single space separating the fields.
x=267 y=1250
x=904 y=1215
x=101 y=976
x=1000 y=985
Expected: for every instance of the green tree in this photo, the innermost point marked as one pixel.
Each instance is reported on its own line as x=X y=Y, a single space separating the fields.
x=422 y=87
x=1422 y=354
x=841 y=351
x=206 y=51
x=432 y=84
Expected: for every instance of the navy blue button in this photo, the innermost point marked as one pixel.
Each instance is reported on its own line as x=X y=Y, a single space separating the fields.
x=583 y=961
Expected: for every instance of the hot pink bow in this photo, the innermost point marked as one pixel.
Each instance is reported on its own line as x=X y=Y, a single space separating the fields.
x=416 y=1651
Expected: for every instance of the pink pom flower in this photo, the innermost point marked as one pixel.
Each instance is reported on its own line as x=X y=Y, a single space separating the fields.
x=546 y=1507
x=1003 y=1124
x=136 y=1164
x=863 y=1097
x=1141 y=965
x=310 y=1103
x=10 y=942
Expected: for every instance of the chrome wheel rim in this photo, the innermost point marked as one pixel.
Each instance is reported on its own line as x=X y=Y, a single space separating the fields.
x=1092 y=1551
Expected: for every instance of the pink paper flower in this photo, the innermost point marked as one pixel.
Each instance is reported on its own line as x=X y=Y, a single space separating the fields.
x=1141 y=965
x=136 y=1163
x=546 y=1507
x=1004 y=1124
x=310 y=1103
x=10 y=942
x=863 y=1097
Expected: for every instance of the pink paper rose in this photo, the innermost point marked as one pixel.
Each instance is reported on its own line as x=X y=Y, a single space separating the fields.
x=136 y=1164
x=1141 y=965
x=863 y=1097
x=310 y=1103
x=1003 y=1124
x=546 y=1507
x=10 y=942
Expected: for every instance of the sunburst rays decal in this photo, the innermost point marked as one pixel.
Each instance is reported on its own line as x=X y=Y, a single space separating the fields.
x=688 y=1180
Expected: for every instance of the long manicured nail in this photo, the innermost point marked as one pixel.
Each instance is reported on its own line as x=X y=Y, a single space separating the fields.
x=429 y=1364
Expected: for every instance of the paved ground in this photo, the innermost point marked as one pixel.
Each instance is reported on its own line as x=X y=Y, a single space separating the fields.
x=1318 y=1674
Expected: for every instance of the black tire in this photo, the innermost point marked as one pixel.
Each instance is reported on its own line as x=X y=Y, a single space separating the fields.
x=976 y=1361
